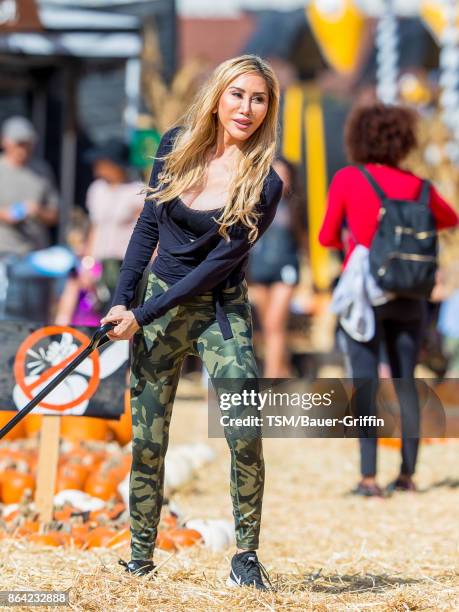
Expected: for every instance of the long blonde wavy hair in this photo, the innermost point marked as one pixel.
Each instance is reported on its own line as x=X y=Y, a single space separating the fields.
x=185 y=166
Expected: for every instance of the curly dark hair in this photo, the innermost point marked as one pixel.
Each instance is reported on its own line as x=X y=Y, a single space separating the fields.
x=380 y=134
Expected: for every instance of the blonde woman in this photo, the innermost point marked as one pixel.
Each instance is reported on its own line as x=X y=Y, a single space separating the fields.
x=212 y=195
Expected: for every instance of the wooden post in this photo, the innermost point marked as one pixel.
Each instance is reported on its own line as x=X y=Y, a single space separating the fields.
x=48 y=457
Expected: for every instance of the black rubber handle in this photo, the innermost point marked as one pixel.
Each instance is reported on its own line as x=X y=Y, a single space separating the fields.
x=99 y=337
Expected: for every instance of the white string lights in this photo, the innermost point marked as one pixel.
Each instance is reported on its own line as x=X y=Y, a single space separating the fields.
x=387 y=55
x=449 y=77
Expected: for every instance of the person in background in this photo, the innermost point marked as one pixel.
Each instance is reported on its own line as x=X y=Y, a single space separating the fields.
x=28 y=199
x=274 y=273
x=114 y=203
x=28 y=210
x=79 y=303
x=379 y=138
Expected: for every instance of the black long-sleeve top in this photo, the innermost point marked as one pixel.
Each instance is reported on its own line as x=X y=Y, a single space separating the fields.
x=189 y=266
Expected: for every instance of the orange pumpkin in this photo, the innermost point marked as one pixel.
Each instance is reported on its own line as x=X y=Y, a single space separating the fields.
x=164 y=542
x=14 y=485
x=123 y=537
x=94 y=459
x=77 y=469
x=71 y=476
x=45 y=539
x=88 y=458
x=83 y=428
x=119 y=470
x=32 y=424
x=66 y=539
x=99 y=537
x=183 y=538
x=79 y=534
x=115 y=474
x=27 y=528
x=122 y=429
x=64 y=482
x=169 y=521
x=75 y=452
x=107 y=513
x=18 y=431
x=98 y=485
x=65 y=513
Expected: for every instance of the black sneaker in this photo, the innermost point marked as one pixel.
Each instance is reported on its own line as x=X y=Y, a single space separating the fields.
x=246 y=570
x=401 y=484
x=364 y=490
x=137 y=567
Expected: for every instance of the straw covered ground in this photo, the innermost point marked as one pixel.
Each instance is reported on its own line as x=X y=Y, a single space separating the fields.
x=324 y=550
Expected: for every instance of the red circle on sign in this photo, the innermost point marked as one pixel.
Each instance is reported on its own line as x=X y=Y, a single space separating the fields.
x=19 y=365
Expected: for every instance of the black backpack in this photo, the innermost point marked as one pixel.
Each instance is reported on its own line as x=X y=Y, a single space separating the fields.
x=403 y=254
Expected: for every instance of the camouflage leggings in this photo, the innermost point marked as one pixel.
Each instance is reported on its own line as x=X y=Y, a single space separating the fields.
x=158 y=353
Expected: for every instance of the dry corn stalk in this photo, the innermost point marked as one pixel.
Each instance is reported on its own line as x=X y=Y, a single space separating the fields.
x=432 y=162
x=167 y=103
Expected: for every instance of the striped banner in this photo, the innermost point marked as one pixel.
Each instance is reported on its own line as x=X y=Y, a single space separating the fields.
x=291 y=124
x=316 y=185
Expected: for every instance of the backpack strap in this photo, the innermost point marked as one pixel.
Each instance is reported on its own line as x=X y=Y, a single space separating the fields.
x=380 y=192
x=424 y=196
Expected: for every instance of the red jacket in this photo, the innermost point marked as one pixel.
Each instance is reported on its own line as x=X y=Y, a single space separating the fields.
x=352 y=198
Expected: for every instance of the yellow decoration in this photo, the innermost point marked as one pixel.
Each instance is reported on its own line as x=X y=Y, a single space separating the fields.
x=291 y=124
x=433 y=13
x=414 y=91
x=316 y=178
x=338 y=27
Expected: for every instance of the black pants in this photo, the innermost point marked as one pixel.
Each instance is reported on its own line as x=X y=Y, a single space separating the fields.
x=399 y=323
